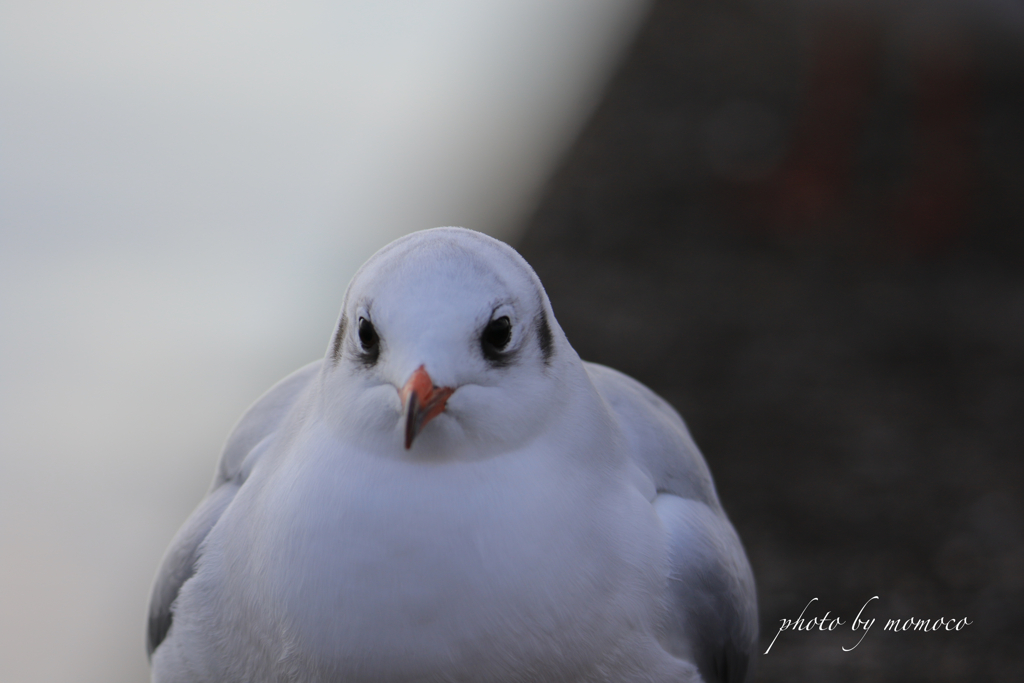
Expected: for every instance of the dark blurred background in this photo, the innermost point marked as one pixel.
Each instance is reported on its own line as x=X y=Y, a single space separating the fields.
x=802 y=225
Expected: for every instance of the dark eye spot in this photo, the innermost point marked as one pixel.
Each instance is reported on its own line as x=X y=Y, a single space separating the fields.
x=369 y=341
x=495 y=338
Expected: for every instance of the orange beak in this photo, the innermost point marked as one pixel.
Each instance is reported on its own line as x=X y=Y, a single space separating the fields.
x=422 y=401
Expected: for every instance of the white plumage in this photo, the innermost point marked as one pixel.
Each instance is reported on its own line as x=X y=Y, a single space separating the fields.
x=453 y=495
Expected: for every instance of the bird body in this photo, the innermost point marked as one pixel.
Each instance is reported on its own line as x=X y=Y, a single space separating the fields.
x=451 y=494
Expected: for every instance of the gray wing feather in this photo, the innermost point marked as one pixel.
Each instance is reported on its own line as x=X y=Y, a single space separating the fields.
x=657 y=436
x=261 y=420
x=178 y=565
x=179 y=562
x=711 y=587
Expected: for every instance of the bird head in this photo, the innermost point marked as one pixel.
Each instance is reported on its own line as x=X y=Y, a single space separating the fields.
x=446 y=345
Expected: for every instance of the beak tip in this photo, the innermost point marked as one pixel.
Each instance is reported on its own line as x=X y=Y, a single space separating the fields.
x=412 y=408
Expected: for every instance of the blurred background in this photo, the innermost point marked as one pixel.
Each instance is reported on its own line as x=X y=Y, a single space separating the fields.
x=800 y=221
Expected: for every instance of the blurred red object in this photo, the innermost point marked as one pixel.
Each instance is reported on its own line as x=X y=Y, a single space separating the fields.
x=934 y=205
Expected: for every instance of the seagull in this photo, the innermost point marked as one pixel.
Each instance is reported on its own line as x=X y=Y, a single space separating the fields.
x=451 y=494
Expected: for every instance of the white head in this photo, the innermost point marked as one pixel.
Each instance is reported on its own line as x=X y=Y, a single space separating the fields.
x=446 y=347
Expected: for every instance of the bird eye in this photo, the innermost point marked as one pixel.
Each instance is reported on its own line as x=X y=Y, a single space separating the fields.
x=496 y=336
x=367 y=335
x=370 y=342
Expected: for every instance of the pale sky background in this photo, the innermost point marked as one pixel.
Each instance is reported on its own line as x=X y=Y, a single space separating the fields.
x=185 y=190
